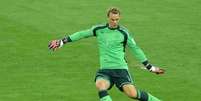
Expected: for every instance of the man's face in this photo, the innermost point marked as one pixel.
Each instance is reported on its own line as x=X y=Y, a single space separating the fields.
x=113 y=20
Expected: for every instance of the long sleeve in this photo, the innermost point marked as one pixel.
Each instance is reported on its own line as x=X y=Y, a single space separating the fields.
x=136 y=50
x=81 y=34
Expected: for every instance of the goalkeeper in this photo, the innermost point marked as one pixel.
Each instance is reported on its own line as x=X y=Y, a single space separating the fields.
x=112 y=40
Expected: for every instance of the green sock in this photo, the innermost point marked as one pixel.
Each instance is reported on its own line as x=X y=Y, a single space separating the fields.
x=152 y=98
x=106 y=98
x=144 y=96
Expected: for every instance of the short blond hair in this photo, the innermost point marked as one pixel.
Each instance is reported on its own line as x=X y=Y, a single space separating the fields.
x=113 y=10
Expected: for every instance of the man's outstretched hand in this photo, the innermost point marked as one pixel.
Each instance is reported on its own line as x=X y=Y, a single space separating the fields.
x=54 y=44
x=157 y=70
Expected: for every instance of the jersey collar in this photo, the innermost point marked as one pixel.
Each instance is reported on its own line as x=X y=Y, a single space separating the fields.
x=111 y=28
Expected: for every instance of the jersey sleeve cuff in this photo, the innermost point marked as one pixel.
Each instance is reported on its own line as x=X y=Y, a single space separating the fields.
x=66 y=39
x=147 y=64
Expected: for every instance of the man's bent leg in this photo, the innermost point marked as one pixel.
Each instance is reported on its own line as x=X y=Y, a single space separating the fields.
x=102 y=85
x=132 y=92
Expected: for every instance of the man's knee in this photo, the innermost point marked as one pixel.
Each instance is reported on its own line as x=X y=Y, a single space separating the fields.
x=132 y=94
x=102 y=84
x=130 y=90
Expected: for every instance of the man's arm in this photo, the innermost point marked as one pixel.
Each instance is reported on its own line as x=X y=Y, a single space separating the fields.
x=80 y=35
x=136 y=50
x=139 y=54
x=54 y=44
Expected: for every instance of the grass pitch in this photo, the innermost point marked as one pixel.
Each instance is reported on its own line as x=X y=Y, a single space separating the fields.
x=167 y=30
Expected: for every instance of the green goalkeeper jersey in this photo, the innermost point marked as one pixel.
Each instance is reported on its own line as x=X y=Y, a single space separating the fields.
x=112 y=43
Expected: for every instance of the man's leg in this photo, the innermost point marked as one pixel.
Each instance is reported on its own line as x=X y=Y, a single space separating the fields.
x=132 y=92
x=102 y=85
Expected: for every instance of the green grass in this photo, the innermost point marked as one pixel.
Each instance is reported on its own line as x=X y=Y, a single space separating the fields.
x=167 y=30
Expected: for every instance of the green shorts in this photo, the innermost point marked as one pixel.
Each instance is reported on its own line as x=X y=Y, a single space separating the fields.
x=119 y=77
